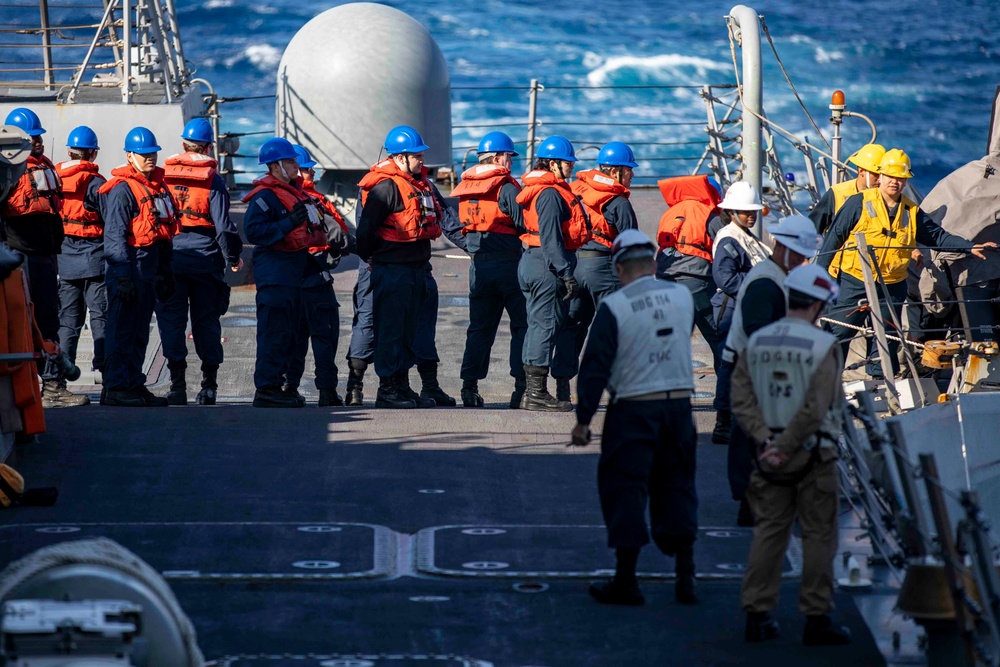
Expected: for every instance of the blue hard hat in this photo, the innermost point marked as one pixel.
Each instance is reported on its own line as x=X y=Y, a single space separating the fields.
x=404 y=139
x=496 y=142
x=302 y=157
x=27 y=120
x=198 y=130
x=82 y=137
x=616 y=154
x=556 y=148
x=141 y=140
x=274 y=150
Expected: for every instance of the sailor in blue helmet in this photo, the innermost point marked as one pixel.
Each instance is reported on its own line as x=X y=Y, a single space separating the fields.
x=32 y=224
x=81 y=266
x=320 y=321
x=401 y=212
x=139 y=224
x=640 y=350
x=283 y=222
x=604 y=193
x=492 y=222
x=206 y=244
x=555 y=227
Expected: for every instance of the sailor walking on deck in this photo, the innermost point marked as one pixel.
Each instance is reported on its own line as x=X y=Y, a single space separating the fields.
x=320 y=320
x=32 y=224
x=81 y=267
x=492 y=222
x=640 y=350
x=762 y=300
x=207 y=242
x=556 y=226
x=893 y=225
x=788 y=397
x=604 y=193
x=283 y=222
x=400 y=215
x=139 y=223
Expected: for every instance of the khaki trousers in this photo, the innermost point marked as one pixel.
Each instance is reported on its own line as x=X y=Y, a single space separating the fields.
x=814 y=502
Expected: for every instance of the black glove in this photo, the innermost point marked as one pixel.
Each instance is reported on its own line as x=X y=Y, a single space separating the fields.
x=165 y=287
x=569 y=283
x=126 y=290
x=299 y=215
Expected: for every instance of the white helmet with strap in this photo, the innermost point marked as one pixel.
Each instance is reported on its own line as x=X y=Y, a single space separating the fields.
x=812 y=280
x=798 y=234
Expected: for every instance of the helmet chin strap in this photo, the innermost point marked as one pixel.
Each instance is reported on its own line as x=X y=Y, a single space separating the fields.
x=131 y=161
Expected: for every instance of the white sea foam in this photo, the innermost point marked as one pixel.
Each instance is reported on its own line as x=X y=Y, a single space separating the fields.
x=665 y=68
x=263 y=9
x=262 y=56
x=823 y=56
x=218 y=4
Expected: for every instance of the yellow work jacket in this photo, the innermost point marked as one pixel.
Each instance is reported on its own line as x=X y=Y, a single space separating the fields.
x=893 y=241
x=841 y=191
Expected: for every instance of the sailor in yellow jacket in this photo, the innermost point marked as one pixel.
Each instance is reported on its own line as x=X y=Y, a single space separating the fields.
x=893 y=224
x=866 y=159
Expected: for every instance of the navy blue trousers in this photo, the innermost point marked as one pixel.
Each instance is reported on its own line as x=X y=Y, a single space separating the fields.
x=205 y=296
x=845 y=310
x=278 y=309
x=76 y=297
x=493 y=288
x=597 y=280
x=648 y=459
x=398 y=293
x=547 y=312
x=319 y=323
x=127 y=336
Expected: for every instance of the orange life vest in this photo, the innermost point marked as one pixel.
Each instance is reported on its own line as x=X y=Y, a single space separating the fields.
x=156 y=220
x=575 y=231
x=595 y=190
x=684 y=226
x=329 y=211
x=37 y=191
x=309 y=235
x=78 y=220
x=421 y=214
x=478 y=196
x=189 y=177
x=19 y=333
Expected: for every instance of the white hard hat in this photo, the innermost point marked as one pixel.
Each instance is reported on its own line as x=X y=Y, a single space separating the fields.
x=812 y=280
x=633 y=243
x=798 y=234
x=742 y=196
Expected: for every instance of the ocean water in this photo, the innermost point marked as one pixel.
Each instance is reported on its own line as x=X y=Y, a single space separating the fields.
x=924 y=70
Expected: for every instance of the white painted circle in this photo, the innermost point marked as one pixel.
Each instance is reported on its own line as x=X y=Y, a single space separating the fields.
x=724 y=533
x=347 y=663
x=316 y=564
x=320 y=529
x=731 y=567
x=431 y=492
x=58 y=530
x=485 y=565
x=484 y=531
x=430 y=598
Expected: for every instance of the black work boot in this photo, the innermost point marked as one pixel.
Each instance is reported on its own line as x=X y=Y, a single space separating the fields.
x=329 y=398
x=821 y=631
x=274 y=397
x=390 y=395
x=289 y=390
x=429 y=387
x=355 y=382
x=403 y=385
x=470 y=394
x=149 y=399
x=723 y=425
x=563 y=390
x=56 y=395
x=209 y=385
x=122 y=398
x=624 y=588
x=518 y=394
x=178 y=386
x=760 y=627
x=536 y=395
x=684 y=585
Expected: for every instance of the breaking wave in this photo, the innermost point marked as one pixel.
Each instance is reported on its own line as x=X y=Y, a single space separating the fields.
x=669 y=68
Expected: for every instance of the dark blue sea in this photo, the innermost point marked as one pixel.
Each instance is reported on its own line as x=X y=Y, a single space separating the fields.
x=924 y=70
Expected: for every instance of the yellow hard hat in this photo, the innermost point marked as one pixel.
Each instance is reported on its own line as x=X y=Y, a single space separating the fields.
x=895 y=163
x=868 y=156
